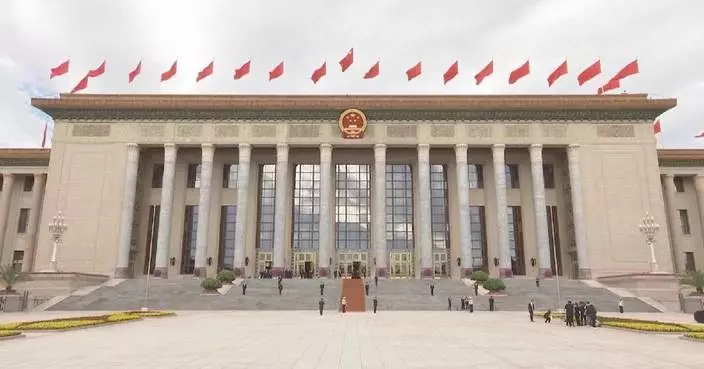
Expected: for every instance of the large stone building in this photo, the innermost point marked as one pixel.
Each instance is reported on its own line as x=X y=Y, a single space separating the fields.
x=397 y=186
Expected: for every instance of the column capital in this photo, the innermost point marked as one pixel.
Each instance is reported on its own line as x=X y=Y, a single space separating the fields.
x=573 y=146
x=536 y=146
x=132 y=145
x=461 y=146
x=244 y=146
x=668 y=175
x=207 y=152
x=281 y=146
x=325 y=152
x=379 y=152
x=169 y=153
x=207 y=145
x=461 y=153
x=281 y=153
x=424 y=146
x=170 y=145
x=379 y=146
x=498 y=146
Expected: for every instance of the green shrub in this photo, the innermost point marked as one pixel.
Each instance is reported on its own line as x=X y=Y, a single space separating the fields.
x=494 y=285
x=211 y=284
x=480 y=276
x=226 y=276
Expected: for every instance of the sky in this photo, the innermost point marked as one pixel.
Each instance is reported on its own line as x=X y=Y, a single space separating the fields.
x=667 y=38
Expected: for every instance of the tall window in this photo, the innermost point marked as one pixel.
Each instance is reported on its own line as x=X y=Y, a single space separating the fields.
x=684 y=221
x=306 y=207
x=157 y=175
x=23 y=220
x=512 y=176
x=267 y=195
x=679 y=183
x=28 y=184
x=193 y=180
x=476 y=175
x=226 y=253
x=399 y=207
x=689 y=265
x=515 y=240
x=352 y=199
x=478 y=234
x=152 y=232
x=438 y=207
x=229 y=175
x=549 y=175
x=190 y=233
x=554 y=240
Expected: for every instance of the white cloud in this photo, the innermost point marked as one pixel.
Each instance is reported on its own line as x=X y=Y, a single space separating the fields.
x=39 y=34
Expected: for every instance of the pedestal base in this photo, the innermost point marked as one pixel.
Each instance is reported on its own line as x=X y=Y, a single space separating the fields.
x=277 y=272
x=505 y=272
x=545 y=273
x=427 y=273
x=161 y=272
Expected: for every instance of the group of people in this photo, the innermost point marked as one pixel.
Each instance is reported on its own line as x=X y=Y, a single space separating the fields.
x=583 y=313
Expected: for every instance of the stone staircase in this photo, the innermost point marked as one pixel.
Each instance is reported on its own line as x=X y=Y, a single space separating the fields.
x=413 y=294
x=353 y=291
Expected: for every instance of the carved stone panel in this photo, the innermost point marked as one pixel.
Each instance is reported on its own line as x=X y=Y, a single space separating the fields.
x=264 y=130
x=516 y=130
x=91 y=130
x=304 y=130
x=151 y=130
x=401 y=130
x=442 y=130
x=615 y=130
x=554 y=130
x=227 y=130
x=188 y=130
x=479 y=131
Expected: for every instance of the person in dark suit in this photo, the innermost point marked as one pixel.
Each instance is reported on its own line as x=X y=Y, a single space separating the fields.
x=376 y=281
x=491 y=303
x=432 y=289
x=548 y=316
x=531 y=309
x=470 y=304
x=375 y=303
x=281 y=288
x=322 y=287
x=590 y=311
x=366 y=288
x=321 y=306
x=476 y=288
x=244 y=287
x=449 y=303
x=569 y=314
x=577 y=314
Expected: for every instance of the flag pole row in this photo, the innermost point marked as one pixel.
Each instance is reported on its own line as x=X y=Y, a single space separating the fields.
x=413 y=72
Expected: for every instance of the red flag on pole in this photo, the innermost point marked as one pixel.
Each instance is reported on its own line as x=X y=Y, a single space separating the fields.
x=372 y=72
x=243 y=70
x=656 y=127
x=97 y=71
x=486 y=72
x=82 y=85
x=44 y=135
x=277 y=72
x=170 y=73
x=589 y=73
x=319 y=73
x=451 y=72
x=135 y=72
x=208 y=70
x=519 y=73
x=611 y=85
x=59 y=70
x=347 y=61
x=629 y=70
x=414 y=71
x=699 y=135
x=557 y=73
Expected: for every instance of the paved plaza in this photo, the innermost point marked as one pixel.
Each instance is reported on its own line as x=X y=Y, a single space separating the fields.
x=292 y=339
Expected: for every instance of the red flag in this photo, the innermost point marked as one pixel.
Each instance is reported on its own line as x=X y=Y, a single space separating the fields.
x=243 y=70
x=135 y=72
x=59 y=70
x=347 y=61
x=319 y=73
x=277 y=72
x=629 y=70
x=169 y=73
x=82 y=85
x=205 y=72
x=589 y=73
x=451 y=72
x=486 y=72
x=519 y=73
x=611 y=85
x=44 y=135
x=656 y=127
x=97 y=71
x=372 y=72
x=414 y=71
x=557 y=73
x=699 y=135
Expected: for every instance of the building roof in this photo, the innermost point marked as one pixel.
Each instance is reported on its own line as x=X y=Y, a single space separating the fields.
x=77 y=106
x=24 y=157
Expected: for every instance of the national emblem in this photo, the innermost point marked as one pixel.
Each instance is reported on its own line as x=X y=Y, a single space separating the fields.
x=352 y=124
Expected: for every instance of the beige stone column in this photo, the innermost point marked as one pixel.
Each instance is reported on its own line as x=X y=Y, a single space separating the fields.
x=541 y=220
x=280 y=209
x=699 y=186
x=379 y=209
x=34 y=217
x=163 y=243
x=580 y=231
x=674 y=217
x=243 y=164
x=325 y=213
x=5 y=200
x=127 y=217
x=465 y=223
x=498 y=153
x=206 y=183
x=425 y=233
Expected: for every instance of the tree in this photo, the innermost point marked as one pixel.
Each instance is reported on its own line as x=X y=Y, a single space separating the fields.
x=695 y=279
x=10 y=277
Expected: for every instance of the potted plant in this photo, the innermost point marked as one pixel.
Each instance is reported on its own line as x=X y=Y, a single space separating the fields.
x=10 y=277
x=211 y=285
x=479 y=276
x=226 y=276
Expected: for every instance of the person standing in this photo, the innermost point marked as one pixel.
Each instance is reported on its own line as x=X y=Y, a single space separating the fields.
x=344 y=304
x=322 y=287
x=476 y=288
x=281 y=288
x=531 y=309
x=537 y=281
x=321 y=305
x=244 y=286
x=569 y=314
x=591 y=314
x=432 y=289
x=376 y=281
x=449 y=303
x=375 y=302
x=462 y=303
x=620 y=306
x=491 y=303
x=470 y=304
x=577 y=315
x=366 y=288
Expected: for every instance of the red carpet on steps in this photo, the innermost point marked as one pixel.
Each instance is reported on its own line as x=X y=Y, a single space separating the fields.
x=353 y=291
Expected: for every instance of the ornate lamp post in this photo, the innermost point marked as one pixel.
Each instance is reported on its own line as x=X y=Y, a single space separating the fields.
x=57 y=227
x=650 y=228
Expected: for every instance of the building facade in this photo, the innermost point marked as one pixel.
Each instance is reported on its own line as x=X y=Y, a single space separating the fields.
x=394 y=186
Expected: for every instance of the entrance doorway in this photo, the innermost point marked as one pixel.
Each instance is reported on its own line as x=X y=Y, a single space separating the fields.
x=401 y=264
x=265 y=261
x=352 y=265
x=305 y=264
x=440 y=264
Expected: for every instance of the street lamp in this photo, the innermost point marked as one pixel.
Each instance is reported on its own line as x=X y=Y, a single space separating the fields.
x=57 y=227
x=650 y=228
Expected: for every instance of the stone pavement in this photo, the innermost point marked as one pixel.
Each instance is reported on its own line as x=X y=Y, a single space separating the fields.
x=297 y=339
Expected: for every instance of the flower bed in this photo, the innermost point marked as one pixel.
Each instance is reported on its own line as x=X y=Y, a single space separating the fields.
x=652 y=326
x=152 y=313
x=9 y=333
x=80 y=322
x=695 y=336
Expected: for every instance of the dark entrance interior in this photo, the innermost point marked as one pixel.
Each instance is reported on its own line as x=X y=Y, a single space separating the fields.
x=356 y=269
x=308 y=269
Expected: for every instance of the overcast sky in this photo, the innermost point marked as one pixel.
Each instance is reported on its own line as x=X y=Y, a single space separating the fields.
x=666 y=36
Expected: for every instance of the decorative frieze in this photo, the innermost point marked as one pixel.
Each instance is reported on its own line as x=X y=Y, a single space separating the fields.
x=479 y=131
x=90 y=130
x=554 y=130
x=615 y=130
x=227 y=130
x=189 y=130
x=152 y=130
x=263 y=130
x=517 y=130
x=401 y=130
x=442 y=130
x=303 y=130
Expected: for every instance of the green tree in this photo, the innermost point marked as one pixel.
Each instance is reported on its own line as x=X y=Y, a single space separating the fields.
x=10 y=277
x=694 y=279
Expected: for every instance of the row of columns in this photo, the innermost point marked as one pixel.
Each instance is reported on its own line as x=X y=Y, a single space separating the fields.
x=676 y=234
x=326 y=207
x=6 y=253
